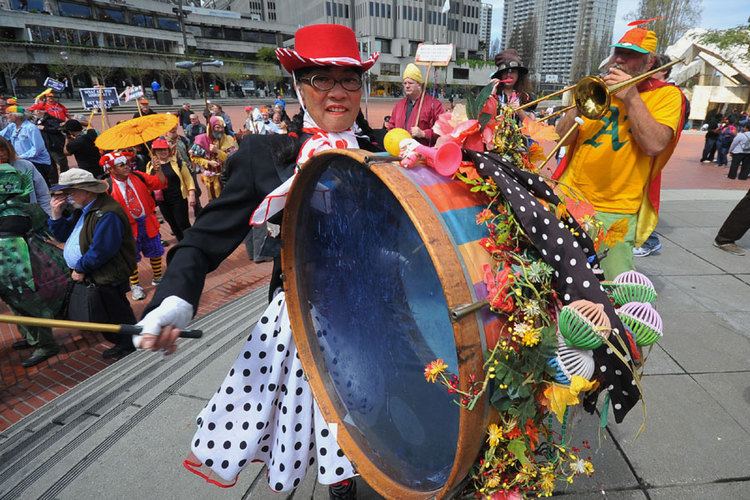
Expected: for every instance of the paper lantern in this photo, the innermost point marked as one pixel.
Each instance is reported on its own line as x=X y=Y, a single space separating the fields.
x=643 y=320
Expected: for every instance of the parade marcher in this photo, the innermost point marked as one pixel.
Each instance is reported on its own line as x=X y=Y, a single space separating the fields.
x=54 y=108
x=145 y=108
x=514 y=81
x=27 y=141
x=54 y=139
x=180 y=190
x=327 y=69
x=33 y=275
x=734 y=228
x=179 y=147
x=132 y=190
x=99 y=250
x=194 y=128
x=740 y=152
x=712 y=137
x=216 y=146
x=615 y=162
x=727 y=131
x=216 y=110
x=404 y=114
x=81 y=144
x=249 y=126
x=184 y=115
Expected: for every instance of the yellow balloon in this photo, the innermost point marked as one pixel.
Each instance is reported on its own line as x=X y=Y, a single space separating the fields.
x=393 y=138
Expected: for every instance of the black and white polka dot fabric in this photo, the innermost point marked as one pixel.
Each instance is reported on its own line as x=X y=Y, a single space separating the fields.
x=573 y=259
x=264 y=411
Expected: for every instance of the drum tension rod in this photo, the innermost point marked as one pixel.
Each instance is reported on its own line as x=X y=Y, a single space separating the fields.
x=464 y=310
x=380 y=158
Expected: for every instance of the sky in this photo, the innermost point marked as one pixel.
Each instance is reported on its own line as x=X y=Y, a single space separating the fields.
x=716 y=14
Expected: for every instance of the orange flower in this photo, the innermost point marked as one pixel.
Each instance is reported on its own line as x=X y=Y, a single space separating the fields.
x=616 y=233
x=469 y=170
x=514 y=433
x=536 y=153
x=433 y=369
x=484 y=216
x=539 y=131
x=533 y=433
x=498 y=289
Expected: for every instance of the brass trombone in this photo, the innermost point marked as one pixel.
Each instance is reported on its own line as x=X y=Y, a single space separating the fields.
x=592 y=97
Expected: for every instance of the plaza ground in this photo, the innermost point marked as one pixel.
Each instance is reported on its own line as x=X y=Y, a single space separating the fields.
x=99 y=438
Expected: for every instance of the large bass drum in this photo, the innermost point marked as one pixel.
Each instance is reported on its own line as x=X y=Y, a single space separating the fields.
x=375 y=258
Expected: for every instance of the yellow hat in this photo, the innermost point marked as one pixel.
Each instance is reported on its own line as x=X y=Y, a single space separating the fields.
x=413 y=72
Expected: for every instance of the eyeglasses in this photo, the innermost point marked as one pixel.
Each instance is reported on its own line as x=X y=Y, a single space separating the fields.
x=326 y=83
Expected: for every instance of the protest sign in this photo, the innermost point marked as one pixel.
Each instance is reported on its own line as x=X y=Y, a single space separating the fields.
x=91 y=97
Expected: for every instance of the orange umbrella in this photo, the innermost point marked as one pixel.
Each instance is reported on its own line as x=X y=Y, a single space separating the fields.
x=136 y=131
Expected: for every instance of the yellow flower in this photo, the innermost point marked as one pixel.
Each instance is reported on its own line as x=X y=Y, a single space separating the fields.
x=492 y=482
x=547 y=483
x=588 y=468
x=433 y=369
x=495 y=434
x=530 y=336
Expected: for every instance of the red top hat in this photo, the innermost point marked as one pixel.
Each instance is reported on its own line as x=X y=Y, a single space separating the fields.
x=324 y=45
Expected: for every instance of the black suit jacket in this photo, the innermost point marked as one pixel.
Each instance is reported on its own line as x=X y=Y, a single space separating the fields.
x=260 y=165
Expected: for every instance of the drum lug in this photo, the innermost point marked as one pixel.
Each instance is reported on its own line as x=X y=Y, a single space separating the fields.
x=459 y=312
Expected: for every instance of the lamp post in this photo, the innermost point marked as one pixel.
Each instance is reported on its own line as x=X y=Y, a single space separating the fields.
x=189 y=65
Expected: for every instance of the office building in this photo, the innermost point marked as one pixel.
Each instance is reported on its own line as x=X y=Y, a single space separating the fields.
x=118 y=42
x=485 y=28
x=395 y=28
x=560 y=40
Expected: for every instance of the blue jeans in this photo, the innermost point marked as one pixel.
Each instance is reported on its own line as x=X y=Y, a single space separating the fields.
x=652 y=241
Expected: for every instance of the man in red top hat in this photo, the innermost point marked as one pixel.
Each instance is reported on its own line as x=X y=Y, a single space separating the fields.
x=132 y=190
x=615 y=161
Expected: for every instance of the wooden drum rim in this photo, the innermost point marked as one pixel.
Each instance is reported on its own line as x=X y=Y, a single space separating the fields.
x=456 y=290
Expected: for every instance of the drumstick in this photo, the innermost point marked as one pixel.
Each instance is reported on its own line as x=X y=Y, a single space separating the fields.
x=87 y=326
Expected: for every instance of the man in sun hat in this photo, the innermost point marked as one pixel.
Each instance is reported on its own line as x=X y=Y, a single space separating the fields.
x=404 y=114
x=99 y=250
x=615 y=162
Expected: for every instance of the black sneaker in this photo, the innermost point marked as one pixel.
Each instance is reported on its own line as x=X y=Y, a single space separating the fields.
x=117 y=352
x=21 y=344
x=343 y=490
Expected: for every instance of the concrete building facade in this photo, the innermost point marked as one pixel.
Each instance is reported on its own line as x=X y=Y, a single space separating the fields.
x=129 y=41
x=561 y=40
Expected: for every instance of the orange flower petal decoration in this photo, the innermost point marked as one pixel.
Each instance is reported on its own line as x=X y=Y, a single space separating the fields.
x=561 y=211
x=539 y=131
x=469 y=170
x=536 y=153
x=616 y=233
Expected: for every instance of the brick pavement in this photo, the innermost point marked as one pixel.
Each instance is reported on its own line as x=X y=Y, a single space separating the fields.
x=23 y=390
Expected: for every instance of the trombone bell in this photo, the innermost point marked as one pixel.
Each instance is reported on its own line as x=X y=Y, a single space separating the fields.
x=592 y=97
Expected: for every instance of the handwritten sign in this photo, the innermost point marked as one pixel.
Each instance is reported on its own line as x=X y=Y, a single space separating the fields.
x=131 y=93
x=91 y=97
x=436 y=55
x=53 y=84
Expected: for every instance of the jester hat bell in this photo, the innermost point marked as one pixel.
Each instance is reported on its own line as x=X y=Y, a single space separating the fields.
x=324 y=45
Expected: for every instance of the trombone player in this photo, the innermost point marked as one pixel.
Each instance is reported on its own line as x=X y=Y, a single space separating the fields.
x=615 y=161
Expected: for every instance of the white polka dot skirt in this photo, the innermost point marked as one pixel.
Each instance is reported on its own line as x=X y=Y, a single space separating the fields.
x=264 y=411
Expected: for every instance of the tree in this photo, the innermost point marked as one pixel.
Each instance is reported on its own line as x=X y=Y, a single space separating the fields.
x=269 y=73
x=232 y=72
x=732 y=39
x=68 y=66
x=137 y=74
x=523 y=39
x=676 y=17
x=172 y=73
x=266 y=54
x=10 y=69
x=102 y=73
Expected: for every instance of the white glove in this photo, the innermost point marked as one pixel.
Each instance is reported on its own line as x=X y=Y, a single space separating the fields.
x=172 y=311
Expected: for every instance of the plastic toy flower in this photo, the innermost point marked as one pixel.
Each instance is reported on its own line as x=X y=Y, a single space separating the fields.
x=434 y=369
x=495 y=434
x=498 y=289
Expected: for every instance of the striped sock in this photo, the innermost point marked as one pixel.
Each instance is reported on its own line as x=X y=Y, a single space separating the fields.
x=134 y=278
x=156 y=267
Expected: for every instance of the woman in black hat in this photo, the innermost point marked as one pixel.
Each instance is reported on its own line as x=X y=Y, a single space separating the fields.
x=514 y=82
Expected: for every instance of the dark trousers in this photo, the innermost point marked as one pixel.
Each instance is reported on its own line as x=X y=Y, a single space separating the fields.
x=740 y=161
x=737 y=223
x=46 y=170
x=59 y=165
x=709 y=149
x=118 y=312
x=175 y=212
x=721 y=155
